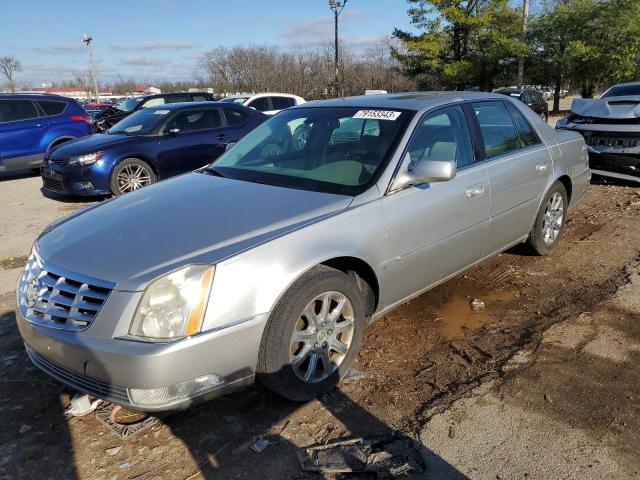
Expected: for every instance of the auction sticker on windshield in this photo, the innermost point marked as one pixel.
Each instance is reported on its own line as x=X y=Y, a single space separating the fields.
x=377 y=114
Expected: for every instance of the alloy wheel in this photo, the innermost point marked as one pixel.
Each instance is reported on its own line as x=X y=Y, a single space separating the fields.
x=553 y=217
x=132 y=177
x=322 y=337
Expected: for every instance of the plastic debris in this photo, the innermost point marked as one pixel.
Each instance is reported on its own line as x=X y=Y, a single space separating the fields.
x=260 y=444
x=353 y=375
x=477 y=305
x=386 y=456
x=81 y=405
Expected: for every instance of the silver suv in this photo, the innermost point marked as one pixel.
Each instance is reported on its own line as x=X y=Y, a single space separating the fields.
x=270 y=262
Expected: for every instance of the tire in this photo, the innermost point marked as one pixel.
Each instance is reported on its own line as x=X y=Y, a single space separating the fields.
x=280 y=367
x=131 y=167
x=542 y=240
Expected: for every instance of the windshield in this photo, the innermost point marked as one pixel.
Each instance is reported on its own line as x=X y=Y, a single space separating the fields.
x=129 y=105
x=622 y=91
x=142 y=122
x=334 y=150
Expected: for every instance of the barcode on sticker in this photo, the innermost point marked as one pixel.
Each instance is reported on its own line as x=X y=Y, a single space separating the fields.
x=377 y=114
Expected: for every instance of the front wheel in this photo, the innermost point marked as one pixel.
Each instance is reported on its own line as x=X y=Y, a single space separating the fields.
x=131 y=174
x=549 y=224
x=313 y=335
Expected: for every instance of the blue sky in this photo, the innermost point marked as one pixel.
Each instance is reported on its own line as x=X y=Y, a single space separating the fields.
x=162 y=39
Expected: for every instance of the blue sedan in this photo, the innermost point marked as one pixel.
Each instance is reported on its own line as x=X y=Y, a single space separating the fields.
x=147 y=146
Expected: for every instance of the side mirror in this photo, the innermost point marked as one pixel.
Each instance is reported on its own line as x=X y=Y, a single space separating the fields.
x=425 y=170
x=173 y=131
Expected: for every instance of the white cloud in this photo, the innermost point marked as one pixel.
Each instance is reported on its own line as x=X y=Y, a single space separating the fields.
x=153 y=46
x=60 y=49
x=138 y=60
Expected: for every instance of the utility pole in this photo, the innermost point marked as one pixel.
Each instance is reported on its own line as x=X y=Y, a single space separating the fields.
x=86 y=38
x=336 y=7
x=525 y=18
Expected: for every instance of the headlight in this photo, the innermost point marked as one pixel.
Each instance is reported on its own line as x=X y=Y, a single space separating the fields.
x=87 y=159
x=173 y=306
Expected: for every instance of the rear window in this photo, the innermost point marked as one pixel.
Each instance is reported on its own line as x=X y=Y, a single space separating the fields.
x=527 y=134
x=498 y=131
x=51 y=107
x=200 y=98
x=14 y=110
x=280 y=103
x=260 y=104
x=235 y=118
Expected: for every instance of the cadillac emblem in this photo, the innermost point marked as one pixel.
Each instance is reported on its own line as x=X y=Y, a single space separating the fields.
x=33 y=289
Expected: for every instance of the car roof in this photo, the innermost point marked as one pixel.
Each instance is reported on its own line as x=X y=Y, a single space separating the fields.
x=628 y=84
x=34 y=96
x=181 y=105
x=407 y=101
x=511 y=90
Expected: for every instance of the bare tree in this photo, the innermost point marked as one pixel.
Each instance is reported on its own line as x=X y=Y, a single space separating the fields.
x=8 y=66
x=82 y=79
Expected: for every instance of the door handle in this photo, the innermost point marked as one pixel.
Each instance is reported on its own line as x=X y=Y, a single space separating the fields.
x=475 y=191
x=541 y=167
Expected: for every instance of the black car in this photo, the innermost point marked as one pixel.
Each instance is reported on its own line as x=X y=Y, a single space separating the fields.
x=112 y=115
x=532 y=98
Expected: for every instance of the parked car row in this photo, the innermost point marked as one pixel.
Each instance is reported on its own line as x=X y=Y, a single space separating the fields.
x=269 y=263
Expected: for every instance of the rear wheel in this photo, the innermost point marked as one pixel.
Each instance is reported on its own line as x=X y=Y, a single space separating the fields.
x=549 y=225
x=131 y=174
x=313 y=335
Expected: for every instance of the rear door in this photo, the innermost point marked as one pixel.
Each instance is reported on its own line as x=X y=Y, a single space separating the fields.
x=194 y=145
x=21 y=134
x=519 y=166
x=435 y=230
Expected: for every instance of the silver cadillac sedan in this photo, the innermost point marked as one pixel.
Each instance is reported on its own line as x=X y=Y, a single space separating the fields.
x=271 y=262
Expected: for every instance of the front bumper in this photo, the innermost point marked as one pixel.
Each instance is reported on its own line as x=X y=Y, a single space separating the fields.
x=90 y=180
x=109 y=368
x=616 y=165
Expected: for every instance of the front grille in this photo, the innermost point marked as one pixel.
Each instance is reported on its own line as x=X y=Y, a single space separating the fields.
x=79 y=382
x=57 y=161
x=612 y=139
x=53 y=184
x=60 y=300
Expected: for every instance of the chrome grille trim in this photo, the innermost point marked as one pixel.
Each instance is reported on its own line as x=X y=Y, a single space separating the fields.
x=48 y=296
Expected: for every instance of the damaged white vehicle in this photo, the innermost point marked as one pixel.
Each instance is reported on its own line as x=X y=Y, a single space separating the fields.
x=611 y=128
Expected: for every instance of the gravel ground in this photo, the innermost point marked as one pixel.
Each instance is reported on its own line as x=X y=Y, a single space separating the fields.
x=542 y=384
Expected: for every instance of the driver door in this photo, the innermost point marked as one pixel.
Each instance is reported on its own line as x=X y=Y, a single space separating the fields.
x=436 y=230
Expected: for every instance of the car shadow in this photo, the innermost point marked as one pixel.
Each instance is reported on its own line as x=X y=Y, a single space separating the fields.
x=219 y=434
x=71 y=198
x=17 y=174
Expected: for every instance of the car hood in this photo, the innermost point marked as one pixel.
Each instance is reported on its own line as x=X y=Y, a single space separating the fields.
x=90 y=144
x=609 y=107
x=193 y=218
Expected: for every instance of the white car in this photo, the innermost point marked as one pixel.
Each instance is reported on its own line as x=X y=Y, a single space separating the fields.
x=267 y=103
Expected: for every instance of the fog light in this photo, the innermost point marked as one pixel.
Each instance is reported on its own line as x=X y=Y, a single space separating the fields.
x=163 y=396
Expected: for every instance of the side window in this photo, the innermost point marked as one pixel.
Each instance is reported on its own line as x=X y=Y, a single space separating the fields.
x=498 y=132
x=177 y=99
x=280 y=103
x=14 y=110
x=526 y=97
x=261 y=104
x=235 y=118
x=199 y=98
x=152 y=101
x=527 y=134
x=52 y=108
x=538 y=97
x=195 y=120
x=443 y=135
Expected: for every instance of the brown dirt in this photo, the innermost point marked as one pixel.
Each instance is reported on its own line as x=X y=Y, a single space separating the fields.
x=415 y=362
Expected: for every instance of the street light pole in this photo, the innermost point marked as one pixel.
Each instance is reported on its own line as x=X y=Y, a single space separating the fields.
x=525 y=18
x=336 y=7
x=86 y=38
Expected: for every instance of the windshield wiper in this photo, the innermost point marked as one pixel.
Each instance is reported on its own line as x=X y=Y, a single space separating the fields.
x=213 y=171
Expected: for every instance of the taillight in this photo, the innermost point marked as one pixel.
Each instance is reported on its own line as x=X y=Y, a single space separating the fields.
x=82 y=118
